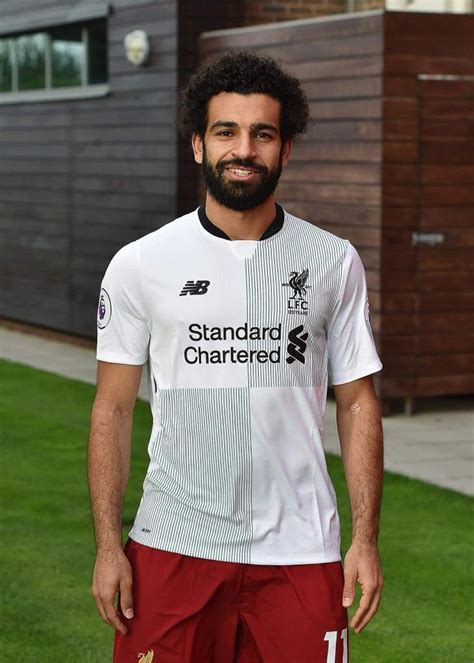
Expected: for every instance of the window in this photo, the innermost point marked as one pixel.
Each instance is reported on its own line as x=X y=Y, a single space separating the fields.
x=67 y=56
x=5 y=65
x=30 y=60
x=60 y=58
x=97 y=59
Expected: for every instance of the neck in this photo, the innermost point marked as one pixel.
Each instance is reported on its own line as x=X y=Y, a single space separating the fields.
x=250 y=224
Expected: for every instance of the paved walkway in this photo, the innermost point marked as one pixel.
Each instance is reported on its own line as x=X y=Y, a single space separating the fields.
x=435 y=445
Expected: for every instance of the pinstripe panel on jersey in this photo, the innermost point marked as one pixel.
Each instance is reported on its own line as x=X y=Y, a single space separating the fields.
x=299 y=245
x=197 y=496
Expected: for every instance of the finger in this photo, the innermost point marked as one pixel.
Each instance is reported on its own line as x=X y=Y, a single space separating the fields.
x=369 y=615
x=348 y=593
x=364 y=613
x=126 y=599
x=364 y=605
x=371 y=611
x=112 y=618
x=364 y=619
x=100 y=609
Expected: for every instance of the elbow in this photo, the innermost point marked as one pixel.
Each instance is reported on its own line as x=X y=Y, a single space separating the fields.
x=357 y=397
x=105 y=409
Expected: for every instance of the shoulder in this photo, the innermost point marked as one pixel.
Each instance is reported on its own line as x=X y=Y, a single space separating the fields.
x=130 y=255
x=317 y=239
x=312 y=231
x=124 y=259
x=352 y=264
x=169 y=232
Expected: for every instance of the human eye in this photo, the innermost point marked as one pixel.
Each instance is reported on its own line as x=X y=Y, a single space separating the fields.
x=263 y=135
x=224 y=132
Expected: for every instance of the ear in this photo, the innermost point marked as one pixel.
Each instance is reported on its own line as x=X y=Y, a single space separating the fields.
x=285 y=151
x=197 y=145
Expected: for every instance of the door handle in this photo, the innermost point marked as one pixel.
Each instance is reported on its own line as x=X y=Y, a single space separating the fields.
x=432 y=239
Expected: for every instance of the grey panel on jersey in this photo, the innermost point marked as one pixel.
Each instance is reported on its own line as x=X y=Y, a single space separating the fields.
x=241 y=338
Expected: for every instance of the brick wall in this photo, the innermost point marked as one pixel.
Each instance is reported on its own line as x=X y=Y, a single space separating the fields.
x=270 y=11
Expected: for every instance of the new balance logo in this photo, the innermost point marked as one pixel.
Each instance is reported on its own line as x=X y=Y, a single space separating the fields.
x=297 y=345
x=195 y=288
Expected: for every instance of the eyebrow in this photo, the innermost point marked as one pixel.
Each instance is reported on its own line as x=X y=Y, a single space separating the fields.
x=257 y=126
x=264 y=125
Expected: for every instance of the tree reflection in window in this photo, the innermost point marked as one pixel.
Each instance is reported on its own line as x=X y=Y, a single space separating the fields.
x=67 y=56
x=5 y=65
x=31 y=61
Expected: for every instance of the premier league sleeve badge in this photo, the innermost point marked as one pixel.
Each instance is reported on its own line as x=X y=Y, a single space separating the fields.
x=104 y=309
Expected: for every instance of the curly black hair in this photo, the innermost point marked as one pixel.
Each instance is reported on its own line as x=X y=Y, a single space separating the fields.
x=243 y=72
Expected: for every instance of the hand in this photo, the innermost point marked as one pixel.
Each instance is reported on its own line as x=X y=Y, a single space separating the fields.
x=113 y=573
x=362 y=564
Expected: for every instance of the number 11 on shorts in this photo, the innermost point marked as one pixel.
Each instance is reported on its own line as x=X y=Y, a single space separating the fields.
x=331 y=639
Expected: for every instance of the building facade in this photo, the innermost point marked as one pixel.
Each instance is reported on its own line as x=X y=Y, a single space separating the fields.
x=90 y=158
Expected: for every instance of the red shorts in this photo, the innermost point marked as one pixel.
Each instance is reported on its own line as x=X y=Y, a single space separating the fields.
x=194 y=610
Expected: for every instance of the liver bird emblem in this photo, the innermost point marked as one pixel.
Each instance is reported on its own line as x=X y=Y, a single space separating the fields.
x=298 y=282
x=146 y=658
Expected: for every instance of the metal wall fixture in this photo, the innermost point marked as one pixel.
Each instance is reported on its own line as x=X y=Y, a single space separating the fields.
x=137 y=47
x=432 y=239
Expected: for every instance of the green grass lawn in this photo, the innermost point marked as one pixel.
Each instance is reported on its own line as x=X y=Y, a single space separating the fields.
x=47 y=614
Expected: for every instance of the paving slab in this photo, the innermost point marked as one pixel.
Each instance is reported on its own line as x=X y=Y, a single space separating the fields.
x=67 y=359
x=435 y=445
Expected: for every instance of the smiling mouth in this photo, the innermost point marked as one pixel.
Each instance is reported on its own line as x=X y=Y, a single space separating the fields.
x=242 y=172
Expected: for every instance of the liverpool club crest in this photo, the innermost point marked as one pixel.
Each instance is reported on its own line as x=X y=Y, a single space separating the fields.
x=297 y=301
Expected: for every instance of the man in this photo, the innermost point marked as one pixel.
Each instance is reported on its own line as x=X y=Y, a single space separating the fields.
x=242 y=311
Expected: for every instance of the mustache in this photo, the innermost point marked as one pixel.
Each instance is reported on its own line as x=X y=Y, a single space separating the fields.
x=241 y=163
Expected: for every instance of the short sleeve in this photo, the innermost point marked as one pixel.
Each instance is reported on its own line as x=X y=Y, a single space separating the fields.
x=123 y=332
x=351 y=348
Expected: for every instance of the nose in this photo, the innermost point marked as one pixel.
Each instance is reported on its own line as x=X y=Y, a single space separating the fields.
x=244 y=148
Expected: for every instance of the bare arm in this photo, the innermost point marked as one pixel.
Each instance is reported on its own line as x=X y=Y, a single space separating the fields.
x=108 y=467
x=361 y=437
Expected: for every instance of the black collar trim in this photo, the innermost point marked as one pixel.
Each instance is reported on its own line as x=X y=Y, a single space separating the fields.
x=275 y=226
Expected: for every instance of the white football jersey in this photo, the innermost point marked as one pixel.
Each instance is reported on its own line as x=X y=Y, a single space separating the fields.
x=241 y=337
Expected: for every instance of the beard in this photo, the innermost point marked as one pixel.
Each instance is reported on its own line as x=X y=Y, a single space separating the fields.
x=240 y=196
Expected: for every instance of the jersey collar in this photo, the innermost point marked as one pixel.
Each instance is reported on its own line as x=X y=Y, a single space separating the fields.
x=272 y=229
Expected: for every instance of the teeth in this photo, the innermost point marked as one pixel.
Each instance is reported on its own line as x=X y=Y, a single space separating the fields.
x=240 y=172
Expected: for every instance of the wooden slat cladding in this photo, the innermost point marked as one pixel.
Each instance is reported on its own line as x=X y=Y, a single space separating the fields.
x=379 y=165
x=445 y=282
x=428 y=177
x=442 y=217
x=334 y=175
x=278 y=35
x=82 y=178
x=456 y=383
